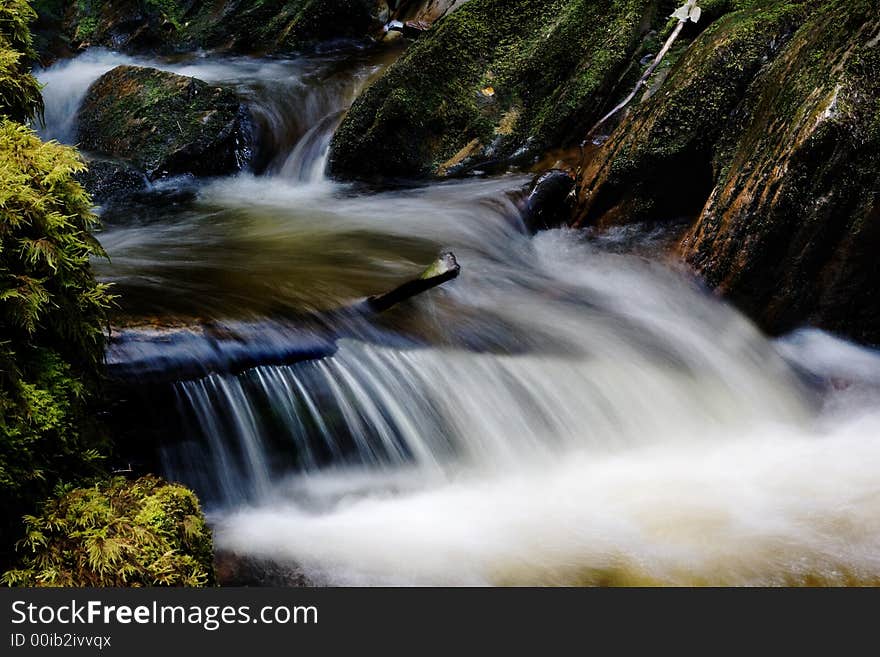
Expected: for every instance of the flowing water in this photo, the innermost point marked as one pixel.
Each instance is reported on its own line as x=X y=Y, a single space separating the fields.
x=571 y=410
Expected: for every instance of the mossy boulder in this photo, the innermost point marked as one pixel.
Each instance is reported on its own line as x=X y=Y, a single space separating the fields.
x=117 y=533
x=791 y=231
x=493 y=81
x=764 y=136
x=657 y=165
x=264 y=26
x=166 y=124
x=272 y=26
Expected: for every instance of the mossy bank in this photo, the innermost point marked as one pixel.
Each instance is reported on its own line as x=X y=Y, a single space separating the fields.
x=52 y=336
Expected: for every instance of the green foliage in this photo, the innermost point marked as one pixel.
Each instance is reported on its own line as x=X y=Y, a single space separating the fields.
x=52 y=314
x=168 y=10
x=20 y=97
x=48 y=294
x=86 y=28
x=117 y=533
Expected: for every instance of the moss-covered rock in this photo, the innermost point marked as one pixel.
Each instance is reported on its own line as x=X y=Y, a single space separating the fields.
x=271 y=26
x=117 y=533
x=658 y=164
x=791 y=231
x=129 y=25
x=165 y=124
x=765 y=135
x=490 y=81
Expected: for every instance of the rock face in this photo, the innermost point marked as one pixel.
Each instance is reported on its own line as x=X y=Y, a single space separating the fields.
x=426 y=11
x=165 y=124
x=791 y=231
x=766 y=135
x=490 y=81
x=658 y=163
x=283 y=25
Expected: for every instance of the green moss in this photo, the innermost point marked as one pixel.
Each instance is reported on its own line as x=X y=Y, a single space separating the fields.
x=552 y=65
x=278 y=25
x=163 y=123
x=171 y=25
x=117 y=533
x=86 y=29
x=20 y=97
x=658 y=163
x=169 y=10
x=52 y=315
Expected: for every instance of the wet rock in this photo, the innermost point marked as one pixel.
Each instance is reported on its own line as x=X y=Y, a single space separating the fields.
x=129 y=25
x=791 y=231
x=233 y=569
x=425 y=11
x=657 y=165
x=284 y=25
x=166 y=124
x=269 y=26
x=549 y=202
x=512 y=78
x=110 y=180
x=764 y=137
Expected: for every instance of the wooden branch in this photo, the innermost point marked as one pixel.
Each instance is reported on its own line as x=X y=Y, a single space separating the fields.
x=642 y=81
x=444 y=269
x=159 y=356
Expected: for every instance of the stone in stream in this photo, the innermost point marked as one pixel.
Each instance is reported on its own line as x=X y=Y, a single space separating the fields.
x=492 y=82
x=165 y=124
x=549 y=202
x=109 y=180
x=233 y=569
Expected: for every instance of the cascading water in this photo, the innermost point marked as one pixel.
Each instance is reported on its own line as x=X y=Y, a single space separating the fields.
x=570 y=410
x=296 y=103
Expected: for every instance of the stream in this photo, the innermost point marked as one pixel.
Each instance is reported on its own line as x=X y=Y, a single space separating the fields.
x=573 y=409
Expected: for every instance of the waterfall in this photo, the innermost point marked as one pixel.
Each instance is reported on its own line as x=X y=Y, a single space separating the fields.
x=296 y=103
x=570 y=410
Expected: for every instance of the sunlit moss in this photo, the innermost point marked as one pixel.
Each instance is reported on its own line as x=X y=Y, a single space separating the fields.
x=117 y=533
x=51 y=322
x=20 y=97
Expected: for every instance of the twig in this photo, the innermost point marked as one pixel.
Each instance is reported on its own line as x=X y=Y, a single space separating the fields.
x=643 y=80
x=689 y=11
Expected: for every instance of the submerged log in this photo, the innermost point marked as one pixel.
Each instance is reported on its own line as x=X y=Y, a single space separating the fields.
x=162 y=355
x=444 y=269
